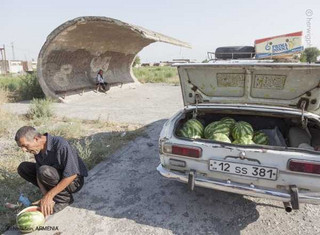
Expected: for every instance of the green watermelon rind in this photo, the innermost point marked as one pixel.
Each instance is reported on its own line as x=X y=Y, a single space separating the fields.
x=207 y=130
x=221 y=129
x=220 y=137
x=188 y=132
x=229 y=121
x=260 y=138
x=243 y=141
x=195 y=124
x=28 y=221
x=193 y=128
x=241 y=129
x=216 y=127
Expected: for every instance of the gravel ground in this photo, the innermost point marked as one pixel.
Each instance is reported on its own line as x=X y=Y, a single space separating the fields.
x=126 y=195
x=141 y=104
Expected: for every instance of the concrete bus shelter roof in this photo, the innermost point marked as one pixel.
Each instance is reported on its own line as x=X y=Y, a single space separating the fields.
x=75 y=51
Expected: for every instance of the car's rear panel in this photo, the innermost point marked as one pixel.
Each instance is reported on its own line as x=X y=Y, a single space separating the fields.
x=257 y=156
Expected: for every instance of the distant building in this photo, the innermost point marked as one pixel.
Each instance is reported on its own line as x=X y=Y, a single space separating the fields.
x=29 y=66
x=181 y=60
x=34 y=65
x=174 y=61
x=146 y=64
x=168 y=63
x=160 y=64
x=17 y=66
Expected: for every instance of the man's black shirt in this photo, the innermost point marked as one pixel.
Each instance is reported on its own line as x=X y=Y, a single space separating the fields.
x=60 y=155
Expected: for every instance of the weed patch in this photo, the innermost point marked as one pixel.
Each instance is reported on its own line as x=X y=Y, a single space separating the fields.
x=163 y=74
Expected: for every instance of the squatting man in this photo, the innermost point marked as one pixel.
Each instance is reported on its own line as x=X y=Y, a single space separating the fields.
x=58 y=171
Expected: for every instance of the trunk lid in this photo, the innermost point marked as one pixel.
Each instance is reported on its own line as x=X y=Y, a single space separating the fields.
x=272 y=84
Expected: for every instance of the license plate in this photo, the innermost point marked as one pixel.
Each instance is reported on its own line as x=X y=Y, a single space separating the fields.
x=244 y=169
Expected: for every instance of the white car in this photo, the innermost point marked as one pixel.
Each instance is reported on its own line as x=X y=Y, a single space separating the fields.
x=281 y=98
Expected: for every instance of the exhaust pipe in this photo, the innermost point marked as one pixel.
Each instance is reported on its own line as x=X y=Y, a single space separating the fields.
x=287 y=206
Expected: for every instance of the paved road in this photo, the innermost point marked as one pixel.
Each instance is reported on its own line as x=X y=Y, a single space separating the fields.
x=125 y=195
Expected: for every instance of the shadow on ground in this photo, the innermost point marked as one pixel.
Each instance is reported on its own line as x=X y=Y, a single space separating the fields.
x=126 y=195
x=128 y=187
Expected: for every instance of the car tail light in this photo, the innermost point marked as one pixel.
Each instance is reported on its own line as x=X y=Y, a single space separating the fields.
x=306 y=167
x=183 y=150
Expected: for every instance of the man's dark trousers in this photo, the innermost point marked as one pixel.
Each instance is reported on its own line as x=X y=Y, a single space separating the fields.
x=49 y=177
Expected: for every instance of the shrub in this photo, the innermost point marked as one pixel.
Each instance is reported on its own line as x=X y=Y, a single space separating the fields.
x=163 y=74
x=136 y=61
x=84 y=151
x=10 y=83
x=30 y=88
x=40 y=109
x=5 y=118
x=310 y=55
x=67 y=130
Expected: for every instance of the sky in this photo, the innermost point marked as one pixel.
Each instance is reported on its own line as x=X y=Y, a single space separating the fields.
x=205 y=24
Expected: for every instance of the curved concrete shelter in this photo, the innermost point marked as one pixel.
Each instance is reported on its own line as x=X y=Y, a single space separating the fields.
x=75 y=51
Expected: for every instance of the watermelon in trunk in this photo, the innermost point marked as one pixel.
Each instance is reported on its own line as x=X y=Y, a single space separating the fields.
x=229 y=121
x=195 y=124
x=243 y=141
x=260 y=138
x=242 y=129
x=216 y=127
x=193 y=128
x=220 y=137
x=189 y=132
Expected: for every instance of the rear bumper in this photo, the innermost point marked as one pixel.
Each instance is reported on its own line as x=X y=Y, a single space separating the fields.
x=243 y=189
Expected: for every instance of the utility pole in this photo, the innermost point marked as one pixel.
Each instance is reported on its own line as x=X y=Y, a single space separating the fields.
x=13 y=57
x=4 y=60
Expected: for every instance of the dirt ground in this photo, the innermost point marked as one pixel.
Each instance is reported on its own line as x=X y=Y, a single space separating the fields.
x=140 y=104
x=126 y=195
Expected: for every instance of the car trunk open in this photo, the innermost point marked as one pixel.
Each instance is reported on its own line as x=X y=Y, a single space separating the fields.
x=286 y=91
x=281 y=100
x=284 y=130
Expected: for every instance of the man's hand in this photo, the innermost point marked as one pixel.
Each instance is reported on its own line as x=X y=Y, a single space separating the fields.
x=46 y=205
x=36 y=202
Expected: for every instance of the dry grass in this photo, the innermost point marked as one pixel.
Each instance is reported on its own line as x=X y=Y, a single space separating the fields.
x=94 y=141
x=7 y=120
x=3 y=96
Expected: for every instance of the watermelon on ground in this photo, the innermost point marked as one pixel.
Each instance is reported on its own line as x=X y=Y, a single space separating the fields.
x=260 y=138
x=241 y=129
x=29 y=219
